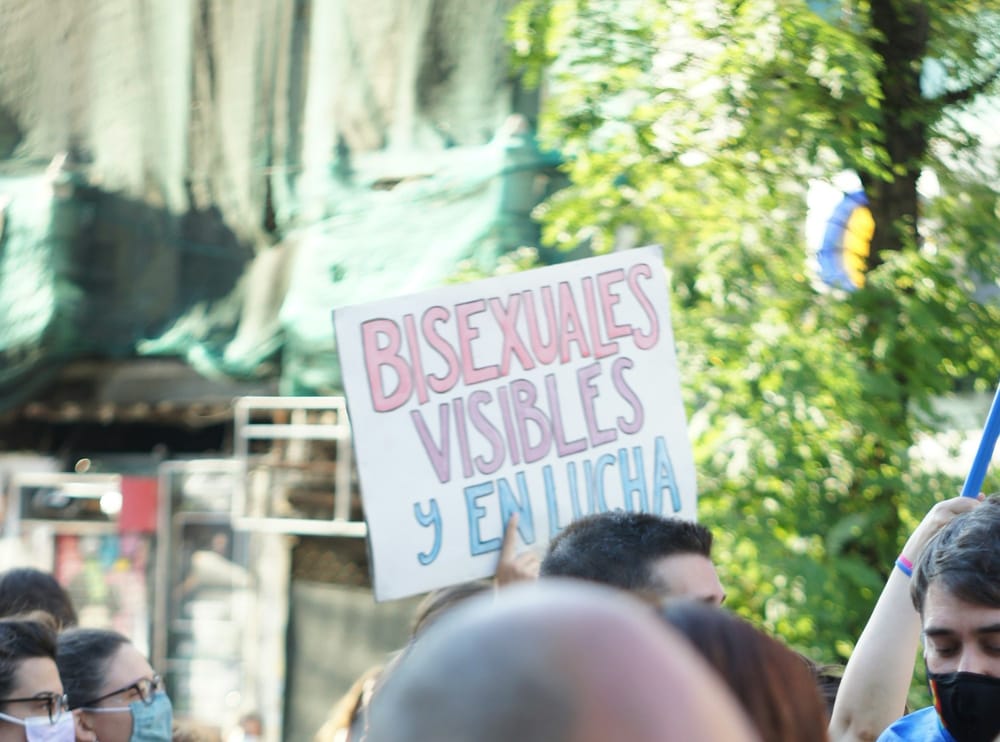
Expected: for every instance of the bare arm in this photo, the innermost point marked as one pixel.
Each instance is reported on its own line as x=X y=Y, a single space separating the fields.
x=873 y=691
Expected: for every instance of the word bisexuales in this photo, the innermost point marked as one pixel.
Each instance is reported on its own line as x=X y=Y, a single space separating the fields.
x=445 y=340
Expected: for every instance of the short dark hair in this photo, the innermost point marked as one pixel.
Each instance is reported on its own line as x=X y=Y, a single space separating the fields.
x=23 y=638
x=618 y=548
x=83 y=657
x=828 y=678
x=963 y=558
x=25 y=589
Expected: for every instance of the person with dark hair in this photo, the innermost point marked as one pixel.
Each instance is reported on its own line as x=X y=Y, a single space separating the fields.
x=33 y=707
x=828 y=677
x=775 y=685
x=116 y=695
x=648 y=554
x=25 y=589
x=565 y=661
x=877 y=678
x=955 y=587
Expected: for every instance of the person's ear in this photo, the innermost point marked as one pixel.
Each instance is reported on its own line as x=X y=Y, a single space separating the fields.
x=84 y=730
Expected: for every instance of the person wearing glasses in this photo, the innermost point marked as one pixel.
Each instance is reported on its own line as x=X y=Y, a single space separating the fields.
x=113 y=691
x=33 y=707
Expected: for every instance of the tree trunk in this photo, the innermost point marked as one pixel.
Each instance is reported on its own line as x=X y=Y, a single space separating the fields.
x=903 y=28
x=901 y=33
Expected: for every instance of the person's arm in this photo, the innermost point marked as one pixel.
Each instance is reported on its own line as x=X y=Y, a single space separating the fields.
x=873 y=691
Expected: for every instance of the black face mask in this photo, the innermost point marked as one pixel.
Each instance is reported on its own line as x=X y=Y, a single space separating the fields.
x=968 y=704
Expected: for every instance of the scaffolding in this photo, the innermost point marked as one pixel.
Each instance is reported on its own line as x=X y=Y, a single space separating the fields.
x=297 y=473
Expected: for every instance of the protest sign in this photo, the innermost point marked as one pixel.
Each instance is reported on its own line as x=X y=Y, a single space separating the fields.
x=552 y=393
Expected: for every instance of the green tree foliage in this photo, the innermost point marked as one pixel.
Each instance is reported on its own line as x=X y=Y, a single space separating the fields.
x=700 y=124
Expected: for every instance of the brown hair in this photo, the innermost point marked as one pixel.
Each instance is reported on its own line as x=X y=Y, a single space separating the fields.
x=774 y=685
x=438 y=602
x=25 y=589
x=346 y=713
x=24 y=637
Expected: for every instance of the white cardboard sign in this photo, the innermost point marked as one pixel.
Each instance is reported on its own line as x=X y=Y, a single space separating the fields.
x=552 y=393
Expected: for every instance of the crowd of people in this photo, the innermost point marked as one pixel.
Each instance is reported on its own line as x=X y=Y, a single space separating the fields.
x=60 y=682
x=618 y=633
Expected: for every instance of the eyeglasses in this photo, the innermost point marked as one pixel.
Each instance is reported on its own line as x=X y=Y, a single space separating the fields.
x=55 y=704
x=145 y=688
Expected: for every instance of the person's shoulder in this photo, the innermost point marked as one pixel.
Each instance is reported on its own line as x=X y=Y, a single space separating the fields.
x=920 y=726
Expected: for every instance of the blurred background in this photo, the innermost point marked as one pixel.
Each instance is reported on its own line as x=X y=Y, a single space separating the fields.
x=189 y=187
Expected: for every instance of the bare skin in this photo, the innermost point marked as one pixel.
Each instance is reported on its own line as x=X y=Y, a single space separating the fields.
x=960 y=636
x=690 y=576
x=126 y=666
x=34 y=675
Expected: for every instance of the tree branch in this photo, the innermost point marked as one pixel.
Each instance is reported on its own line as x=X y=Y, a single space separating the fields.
x=968 y=93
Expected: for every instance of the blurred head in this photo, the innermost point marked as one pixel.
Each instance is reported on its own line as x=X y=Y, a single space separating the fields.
x=552 y=662
x=640 y=552
x=31 y=694
x=26 y=589
x=775 y=685
x=252 y=724
x=120 y=697
x=251 y=727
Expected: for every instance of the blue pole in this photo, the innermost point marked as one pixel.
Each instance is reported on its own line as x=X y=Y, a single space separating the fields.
x=981 y=463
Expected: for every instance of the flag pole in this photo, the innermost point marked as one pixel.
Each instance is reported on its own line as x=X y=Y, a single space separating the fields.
x=981 y=463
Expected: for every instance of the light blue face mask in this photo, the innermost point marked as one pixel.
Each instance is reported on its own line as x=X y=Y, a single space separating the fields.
x=151 y=722
x=41 y=729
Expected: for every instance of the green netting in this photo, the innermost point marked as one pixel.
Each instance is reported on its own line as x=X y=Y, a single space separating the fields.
x=85 y=273
x=37 y=302
x=89 y=274
x=356 y=133
x=474 y=206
